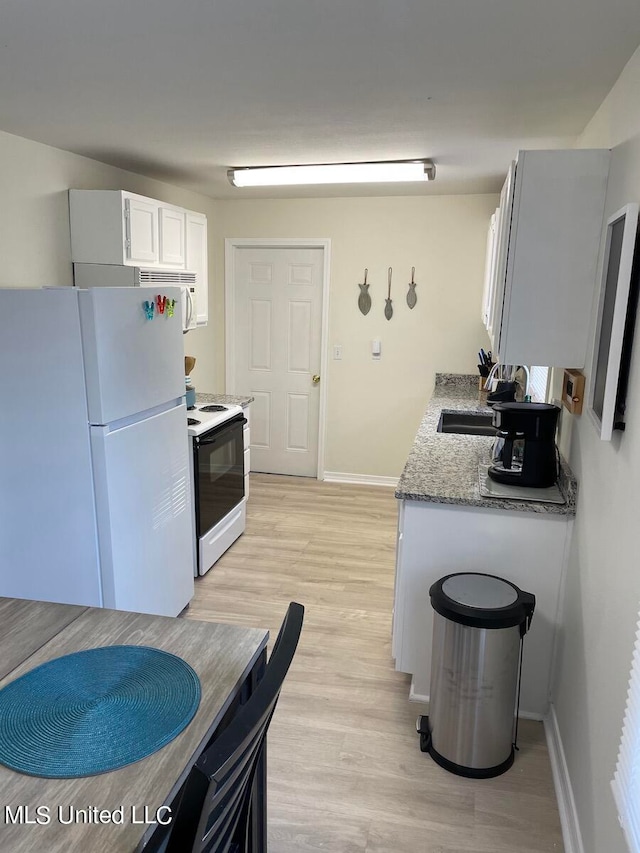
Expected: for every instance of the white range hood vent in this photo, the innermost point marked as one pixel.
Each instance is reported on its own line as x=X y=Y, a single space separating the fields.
x=156 y=276
x=120 y=275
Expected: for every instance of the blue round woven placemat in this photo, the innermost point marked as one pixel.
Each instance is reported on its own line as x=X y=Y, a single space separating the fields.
x=95 y=711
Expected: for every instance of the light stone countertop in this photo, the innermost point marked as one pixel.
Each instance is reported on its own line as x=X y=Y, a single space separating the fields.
x=443 y=467
x=223 y=399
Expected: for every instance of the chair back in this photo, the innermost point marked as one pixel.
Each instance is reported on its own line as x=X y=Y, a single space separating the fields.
x=213 y=814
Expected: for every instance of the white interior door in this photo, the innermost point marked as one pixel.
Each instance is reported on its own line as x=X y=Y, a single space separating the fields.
x=277 y=295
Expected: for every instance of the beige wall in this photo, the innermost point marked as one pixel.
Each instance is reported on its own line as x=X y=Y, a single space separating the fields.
x=374 y=407
x=603 y=582
x=34 y=215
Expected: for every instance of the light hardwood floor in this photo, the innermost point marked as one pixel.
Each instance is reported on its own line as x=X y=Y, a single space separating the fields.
x=346 y=774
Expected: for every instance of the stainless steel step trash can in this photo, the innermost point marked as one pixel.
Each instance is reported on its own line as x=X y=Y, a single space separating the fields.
x=479 y=623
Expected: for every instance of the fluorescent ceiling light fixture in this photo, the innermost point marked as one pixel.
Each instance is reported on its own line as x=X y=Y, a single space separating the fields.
x=333 y=173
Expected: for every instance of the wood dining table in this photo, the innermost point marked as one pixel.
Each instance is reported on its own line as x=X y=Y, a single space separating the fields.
x=133 y=801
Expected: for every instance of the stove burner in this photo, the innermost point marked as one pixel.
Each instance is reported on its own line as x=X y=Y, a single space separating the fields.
x=193 y=422
x=213 y=408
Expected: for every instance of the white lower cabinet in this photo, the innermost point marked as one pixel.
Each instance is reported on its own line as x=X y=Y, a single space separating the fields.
x=526 y=548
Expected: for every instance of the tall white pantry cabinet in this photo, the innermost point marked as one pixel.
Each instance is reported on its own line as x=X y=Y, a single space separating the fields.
x=119 y=227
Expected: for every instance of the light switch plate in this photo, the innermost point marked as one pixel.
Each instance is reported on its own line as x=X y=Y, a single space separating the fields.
x=573 y=390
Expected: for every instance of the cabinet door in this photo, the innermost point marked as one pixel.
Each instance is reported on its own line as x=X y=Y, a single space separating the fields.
x=141 y=231
x=489 y=278
x=503 y=236
x=172 y=236
x=438 y=539
x=552 y=256
x=197 y=261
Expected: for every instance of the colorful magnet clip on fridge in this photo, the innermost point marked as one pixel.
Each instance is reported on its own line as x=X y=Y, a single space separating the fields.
x=161 y=302
x=171 y=307
x=148 y=309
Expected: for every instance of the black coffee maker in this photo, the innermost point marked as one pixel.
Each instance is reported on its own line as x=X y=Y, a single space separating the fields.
x=524 y=451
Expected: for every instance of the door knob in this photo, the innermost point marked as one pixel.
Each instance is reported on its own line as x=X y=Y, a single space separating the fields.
x=315 y=379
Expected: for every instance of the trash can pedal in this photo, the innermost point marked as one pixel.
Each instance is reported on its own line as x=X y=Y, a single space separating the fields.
x=422 y=727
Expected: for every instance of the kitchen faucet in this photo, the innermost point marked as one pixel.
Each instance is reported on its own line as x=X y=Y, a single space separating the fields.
x=507 y=373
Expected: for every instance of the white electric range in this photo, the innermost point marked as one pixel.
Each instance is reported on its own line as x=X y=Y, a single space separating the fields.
x=217 y=474
x=210 y=415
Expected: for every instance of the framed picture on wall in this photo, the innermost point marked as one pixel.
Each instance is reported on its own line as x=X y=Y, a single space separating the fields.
x=616 y=322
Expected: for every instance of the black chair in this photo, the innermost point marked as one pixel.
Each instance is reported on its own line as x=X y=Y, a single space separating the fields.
x=213 y=815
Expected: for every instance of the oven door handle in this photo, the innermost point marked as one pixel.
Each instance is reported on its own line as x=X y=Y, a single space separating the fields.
x=219 y=433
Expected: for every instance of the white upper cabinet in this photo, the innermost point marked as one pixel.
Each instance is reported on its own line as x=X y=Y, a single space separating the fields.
x=197 y=260
x=503 y=224
x=172 y=237
x=489 y=271
x=141 y=231
x=542 y=257
x=119 y=227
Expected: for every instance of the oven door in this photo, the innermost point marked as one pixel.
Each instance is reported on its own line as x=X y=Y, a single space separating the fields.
x=218 y=473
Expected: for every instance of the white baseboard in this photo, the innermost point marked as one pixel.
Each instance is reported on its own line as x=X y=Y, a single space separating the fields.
x=571 y=834
x=418 y=697
x=360 y=479
x=530 y=715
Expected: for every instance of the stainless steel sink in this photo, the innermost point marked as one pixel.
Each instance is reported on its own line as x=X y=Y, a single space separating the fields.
x=466 y=423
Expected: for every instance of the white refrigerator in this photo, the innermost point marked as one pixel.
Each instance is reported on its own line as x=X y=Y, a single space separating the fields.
x=95 y=495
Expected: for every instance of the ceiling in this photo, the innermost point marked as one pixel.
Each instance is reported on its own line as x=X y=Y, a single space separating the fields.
x=182 y=89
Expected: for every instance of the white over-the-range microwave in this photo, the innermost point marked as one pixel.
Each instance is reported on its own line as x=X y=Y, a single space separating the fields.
x=113 y=275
